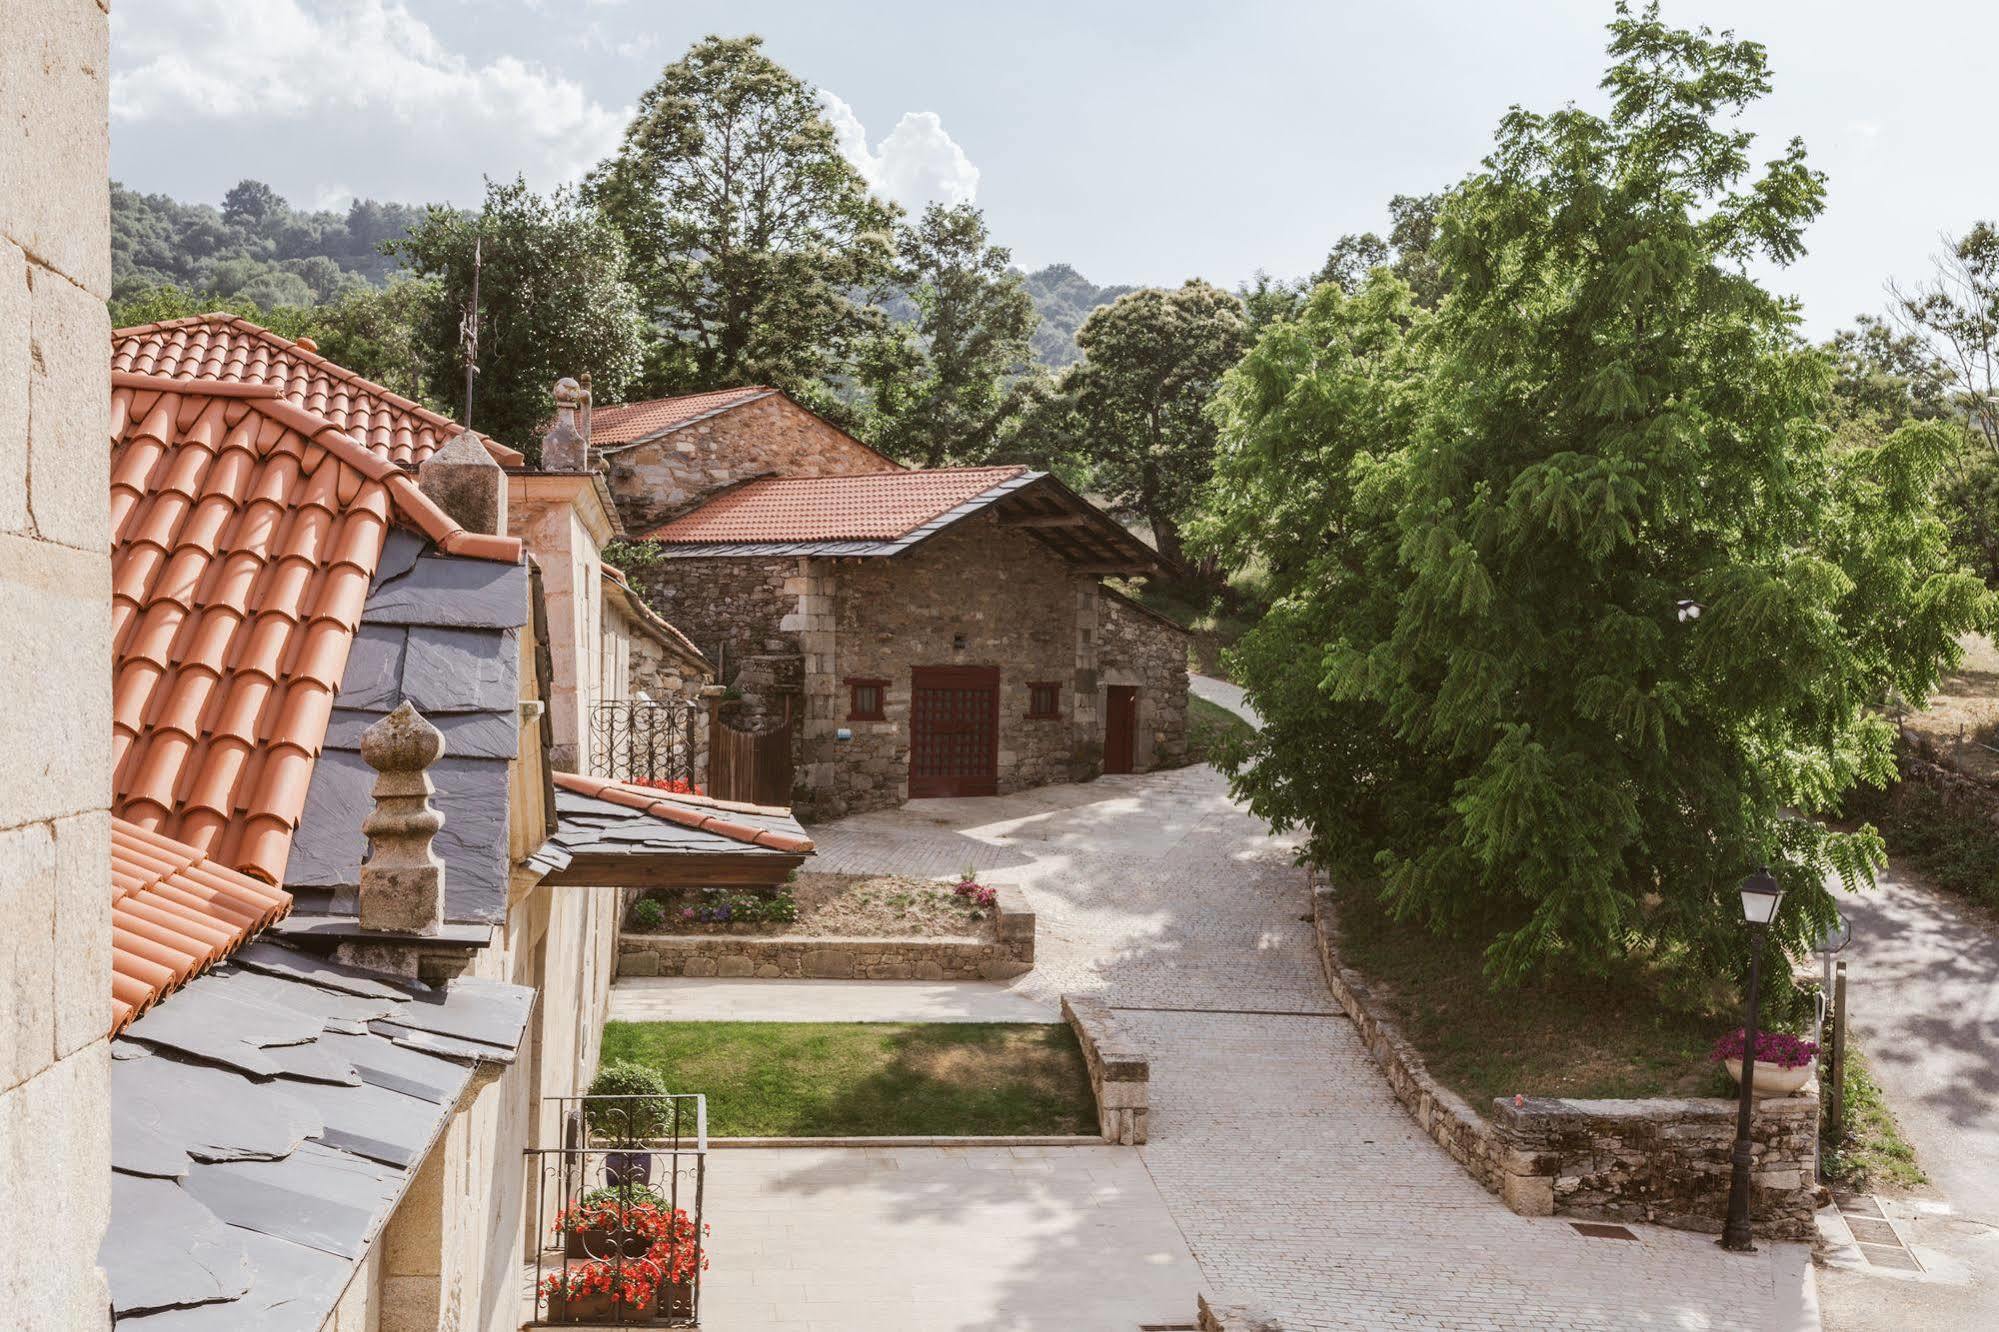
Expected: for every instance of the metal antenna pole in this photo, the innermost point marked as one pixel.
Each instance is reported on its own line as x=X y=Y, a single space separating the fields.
x=469 y=333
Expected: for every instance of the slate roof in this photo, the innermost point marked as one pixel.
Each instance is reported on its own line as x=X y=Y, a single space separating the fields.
x=443 y=633
x=265 y=1124
x=174 y=914
x=648 y=620
x=245 y=534
x=633 y=422
x=720 y=825
x=225 y=348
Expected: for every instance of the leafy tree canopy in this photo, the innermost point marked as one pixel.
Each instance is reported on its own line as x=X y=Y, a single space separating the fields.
x=1480 y=522
x=1139 y=399
x=554 y=300
x=938 y=384
x=755 y=243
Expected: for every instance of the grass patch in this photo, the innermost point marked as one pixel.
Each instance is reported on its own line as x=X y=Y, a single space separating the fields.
x=1873 y=1151
x=1208 y=725
x=1574 y=1036
x=824 y=1079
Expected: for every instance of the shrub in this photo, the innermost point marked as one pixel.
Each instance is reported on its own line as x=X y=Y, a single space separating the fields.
x=647 y=913
x=644 y=1117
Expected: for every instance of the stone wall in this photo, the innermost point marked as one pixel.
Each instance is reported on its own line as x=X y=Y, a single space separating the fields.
x=1661 y=1161
x=1139 y=647
x=665 y=477
x=55 y=650
x=1119 y=1074
x=732 y=609
x=1007 y=953
x=1006 y=597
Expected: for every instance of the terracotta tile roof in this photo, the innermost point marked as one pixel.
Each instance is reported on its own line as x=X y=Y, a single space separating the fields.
x=689 y=811
x=871 y=506
x=626 y=422
x=174 y=914
x=245 y=532
x=227 y=349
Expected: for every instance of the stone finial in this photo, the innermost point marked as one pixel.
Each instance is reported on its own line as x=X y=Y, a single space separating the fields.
x=589 y=400
x=402 y=880
x=463 y=480
x=565 y=448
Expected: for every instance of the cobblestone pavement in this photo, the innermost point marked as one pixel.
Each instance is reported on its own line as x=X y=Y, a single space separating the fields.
x=1296 y=1177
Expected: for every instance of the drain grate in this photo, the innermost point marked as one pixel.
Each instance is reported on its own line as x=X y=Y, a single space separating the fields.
x=1895 y=1256
x=1874 y=1235
x=1599 y=1230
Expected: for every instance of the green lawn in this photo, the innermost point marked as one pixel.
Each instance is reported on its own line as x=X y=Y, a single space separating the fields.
x=819 y=1079
x=1874 y=1153
x=1208 y=724
x=1572 y=1036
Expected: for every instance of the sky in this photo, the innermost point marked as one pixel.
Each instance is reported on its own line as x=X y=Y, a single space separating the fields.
x=1140 y=142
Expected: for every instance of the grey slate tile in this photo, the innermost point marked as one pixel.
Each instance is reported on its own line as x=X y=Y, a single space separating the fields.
x=374 y=673
x=461 y=670
x=383 y=1063
x=454 y=592
x=373 y=1121
x=273 y=960
x=169 y=1248
x=201 y=1109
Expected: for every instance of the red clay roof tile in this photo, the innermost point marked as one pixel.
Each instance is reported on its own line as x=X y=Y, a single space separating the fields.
x=689 y=811
x=631 y=421
x=227 y=354
x=873 y=506
x=246 y=532
x=174 y=914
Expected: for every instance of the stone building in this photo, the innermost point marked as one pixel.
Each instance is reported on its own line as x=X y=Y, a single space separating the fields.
x=55 y=851
x=920 y=632
x=336 y=1022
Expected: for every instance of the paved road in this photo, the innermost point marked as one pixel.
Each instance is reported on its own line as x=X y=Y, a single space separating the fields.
x=1297 y=1179
x=1923 y=997
x=1224 y=694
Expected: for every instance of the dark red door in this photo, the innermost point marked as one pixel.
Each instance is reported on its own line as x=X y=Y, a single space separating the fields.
x=1120 y=726
x=954 y=731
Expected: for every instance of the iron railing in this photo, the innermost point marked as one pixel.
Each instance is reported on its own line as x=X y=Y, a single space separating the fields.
x=645 y=740
x=618 y=1210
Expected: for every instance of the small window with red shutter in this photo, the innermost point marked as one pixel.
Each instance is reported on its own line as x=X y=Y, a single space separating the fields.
x=866 y=696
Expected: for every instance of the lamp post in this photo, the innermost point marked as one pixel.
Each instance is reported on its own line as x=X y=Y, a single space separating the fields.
x=1761 y=894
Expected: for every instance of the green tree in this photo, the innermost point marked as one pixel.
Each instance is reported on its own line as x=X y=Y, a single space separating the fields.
x=1139 y=397
x=756 y=246
x=939 y=388
x=554 y=300
x=1412 y=236
x=1481 y=523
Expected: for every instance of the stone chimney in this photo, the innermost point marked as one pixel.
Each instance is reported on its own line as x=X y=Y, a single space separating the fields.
x=463 y=480
x=402 y=880
x=566 y=448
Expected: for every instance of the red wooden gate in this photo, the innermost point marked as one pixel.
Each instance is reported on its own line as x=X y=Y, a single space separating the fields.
x=954 y=731
x=1120 y=727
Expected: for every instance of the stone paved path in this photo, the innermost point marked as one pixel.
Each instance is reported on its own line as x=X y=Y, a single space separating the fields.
x=1223 y=694
x=1295 y=1176
x=1923 y=997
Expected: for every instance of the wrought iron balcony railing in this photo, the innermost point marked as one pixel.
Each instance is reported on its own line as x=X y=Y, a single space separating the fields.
x=645 y=740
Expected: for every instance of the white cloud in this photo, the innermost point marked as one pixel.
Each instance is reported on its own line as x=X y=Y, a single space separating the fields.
x=918 y=163
x=362 y=69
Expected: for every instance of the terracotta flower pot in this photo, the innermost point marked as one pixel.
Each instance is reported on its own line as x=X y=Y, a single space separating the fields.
x=1772 y=1080
x=676 y=1299
x=605 y=1244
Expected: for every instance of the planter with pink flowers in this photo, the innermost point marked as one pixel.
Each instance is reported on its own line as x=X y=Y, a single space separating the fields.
x=1785 y=1064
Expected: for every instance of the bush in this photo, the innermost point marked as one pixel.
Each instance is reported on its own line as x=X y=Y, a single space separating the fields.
x=647 y=913
x=645 y=1117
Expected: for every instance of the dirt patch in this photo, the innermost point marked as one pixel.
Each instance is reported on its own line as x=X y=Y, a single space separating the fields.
x=853 y=906
x=1961 y=722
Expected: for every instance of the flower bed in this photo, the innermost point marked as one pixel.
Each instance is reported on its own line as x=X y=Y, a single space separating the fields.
x=639 y=1260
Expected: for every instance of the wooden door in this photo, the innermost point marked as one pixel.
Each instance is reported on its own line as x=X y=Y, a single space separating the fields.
x=1120 y=727
x=954 y=731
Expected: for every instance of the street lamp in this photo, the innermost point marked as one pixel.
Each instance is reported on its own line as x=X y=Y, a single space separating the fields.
x=1761 y=894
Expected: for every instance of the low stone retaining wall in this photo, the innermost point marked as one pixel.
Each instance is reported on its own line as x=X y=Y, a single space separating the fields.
x=796 y=957
x=1118 y=1073
x=1661 y=1161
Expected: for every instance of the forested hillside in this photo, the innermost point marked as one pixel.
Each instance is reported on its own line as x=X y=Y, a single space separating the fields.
x=257 y=248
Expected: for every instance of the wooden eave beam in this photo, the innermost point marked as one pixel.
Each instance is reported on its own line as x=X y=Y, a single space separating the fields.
x=1044 y=520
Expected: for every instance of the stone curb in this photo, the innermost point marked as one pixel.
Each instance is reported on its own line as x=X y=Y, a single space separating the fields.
x=1235 y=1318
x=1119 y=1074
x=1661 y=1161
x=989 y=1140
x=1009 y=953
